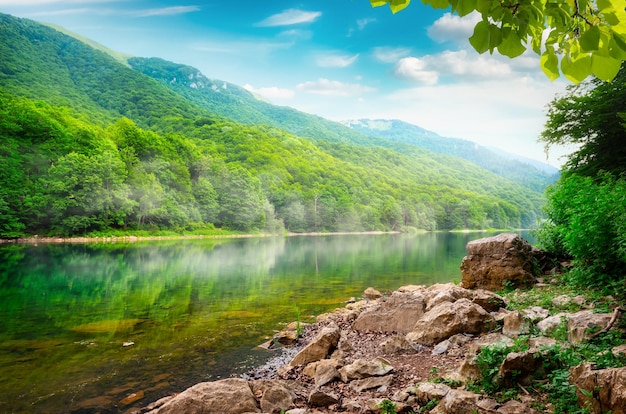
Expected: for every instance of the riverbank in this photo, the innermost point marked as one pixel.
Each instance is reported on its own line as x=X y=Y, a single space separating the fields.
x=440 y=349
x=352 y=362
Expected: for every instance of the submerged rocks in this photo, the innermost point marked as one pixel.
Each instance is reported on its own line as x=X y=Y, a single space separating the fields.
x=497 y=262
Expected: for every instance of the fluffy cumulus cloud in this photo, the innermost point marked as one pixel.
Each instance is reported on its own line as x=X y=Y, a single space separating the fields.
x=415 y=69
x=335 y=60
x=451 y=28
x=333 y=88
x=271 y=92
x=290 y=17
x=460 y=64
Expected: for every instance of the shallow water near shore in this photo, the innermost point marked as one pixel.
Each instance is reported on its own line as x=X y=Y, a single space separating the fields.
x=106 y=327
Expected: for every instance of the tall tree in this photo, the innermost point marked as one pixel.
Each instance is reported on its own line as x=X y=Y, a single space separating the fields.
x=592 y=117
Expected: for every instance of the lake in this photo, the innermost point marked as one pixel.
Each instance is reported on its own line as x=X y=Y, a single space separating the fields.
x=83 y=326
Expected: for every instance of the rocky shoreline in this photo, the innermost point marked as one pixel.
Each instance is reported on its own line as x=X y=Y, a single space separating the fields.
x=418 y=349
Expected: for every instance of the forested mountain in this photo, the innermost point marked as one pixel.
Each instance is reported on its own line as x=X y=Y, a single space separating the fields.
x=88 y=144
x=240 y=105
x=531 y=174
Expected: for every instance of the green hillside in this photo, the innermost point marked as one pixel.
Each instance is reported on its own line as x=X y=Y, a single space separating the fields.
x=530 y=173
x=240 y=105
x=89 y=145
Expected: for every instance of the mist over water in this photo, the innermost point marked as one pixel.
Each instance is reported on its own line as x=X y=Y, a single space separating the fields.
x=83 y=326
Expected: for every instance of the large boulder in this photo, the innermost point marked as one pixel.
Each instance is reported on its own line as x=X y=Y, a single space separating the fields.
x=319 y=348
x=450 y=318
x=398 y=313
x=228 y=396
x=602 y=390
x=496 y=262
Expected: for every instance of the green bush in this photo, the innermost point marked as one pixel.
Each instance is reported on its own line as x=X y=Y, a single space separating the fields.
x=587 y=220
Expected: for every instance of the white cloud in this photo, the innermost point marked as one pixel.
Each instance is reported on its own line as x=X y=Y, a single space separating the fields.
x=361 y=23
x=336 y=60
x=390 y=54
x=167 y=11
x=271 y=92
x=333 y=88
x=460 y=65
x=296 y=34
x=290 y=17
x=453 y=28
x=415 y=69
x=508 y=113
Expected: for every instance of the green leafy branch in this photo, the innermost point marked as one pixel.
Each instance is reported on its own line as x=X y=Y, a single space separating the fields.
x=584 y=37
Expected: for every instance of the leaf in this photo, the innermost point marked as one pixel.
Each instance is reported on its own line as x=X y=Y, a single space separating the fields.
x=605 y=68
x=576 y=67
x=378 y=3
x=465 y=7
x=437 y=4
x=511 y=45
x=486 y=37
x=397 y=5
x=617 y=48
x=550 y=64
x=590 y=39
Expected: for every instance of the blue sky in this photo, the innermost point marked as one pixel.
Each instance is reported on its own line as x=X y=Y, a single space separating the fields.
x=340 y=59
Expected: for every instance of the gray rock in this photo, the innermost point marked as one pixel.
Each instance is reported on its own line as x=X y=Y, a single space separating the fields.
x=515 y=324
x=319 y=398
x=362 y=368
x=494 y=262
x=371 y=294
x=447 y=319
x=371 y=382
x=395 y=344
x=581 y=325
x=275 y=395
x=228 y=396
x=319 y=348
x=428 y=391
x=396 y=314
x=604 y=389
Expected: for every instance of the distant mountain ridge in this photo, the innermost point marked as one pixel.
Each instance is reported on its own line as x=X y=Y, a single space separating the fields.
x=517 y=168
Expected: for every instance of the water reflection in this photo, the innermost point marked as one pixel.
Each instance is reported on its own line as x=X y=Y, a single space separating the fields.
x=83 y=326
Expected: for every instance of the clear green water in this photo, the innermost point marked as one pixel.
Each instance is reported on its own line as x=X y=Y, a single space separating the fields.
x=195 y=310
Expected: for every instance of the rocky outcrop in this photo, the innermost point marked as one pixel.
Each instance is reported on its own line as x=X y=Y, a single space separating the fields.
x=601 y=390
x=354 y=359
x=493 y=263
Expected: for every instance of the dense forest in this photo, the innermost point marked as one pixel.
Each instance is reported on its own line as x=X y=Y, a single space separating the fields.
x=92 y=145
x=586 y=208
